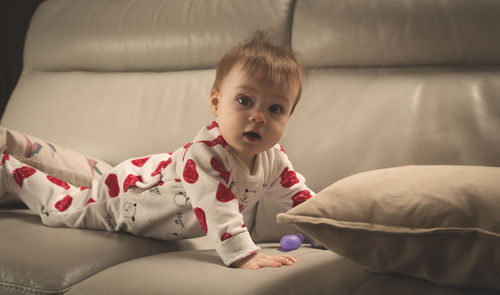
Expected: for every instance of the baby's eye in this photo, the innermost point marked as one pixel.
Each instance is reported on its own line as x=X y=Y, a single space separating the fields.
x=244 y=100
x=276 y=109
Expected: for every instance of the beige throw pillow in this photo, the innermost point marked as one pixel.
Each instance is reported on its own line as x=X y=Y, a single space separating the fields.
x=66 y=164
x=439 y=223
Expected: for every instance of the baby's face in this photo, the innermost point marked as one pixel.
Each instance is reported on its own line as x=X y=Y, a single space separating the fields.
x=252 y=111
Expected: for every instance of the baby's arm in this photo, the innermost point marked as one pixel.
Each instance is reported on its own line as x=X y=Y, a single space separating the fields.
x=206 y=176
x=289 y=188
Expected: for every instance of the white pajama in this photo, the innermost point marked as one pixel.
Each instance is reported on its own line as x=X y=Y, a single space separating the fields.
x=202 y=188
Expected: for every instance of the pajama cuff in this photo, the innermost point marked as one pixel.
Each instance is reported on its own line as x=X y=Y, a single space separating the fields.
x=236 y=247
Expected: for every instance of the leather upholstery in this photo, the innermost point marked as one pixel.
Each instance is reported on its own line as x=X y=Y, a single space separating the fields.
x=388 y=117
x=367 y=33
x=146 y=35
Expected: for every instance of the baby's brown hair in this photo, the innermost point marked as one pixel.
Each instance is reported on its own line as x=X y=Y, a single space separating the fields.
x=282 y=65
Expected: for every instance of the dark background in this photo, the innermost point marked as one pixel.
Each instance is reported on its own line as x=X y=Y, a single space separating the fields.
x=15 y=16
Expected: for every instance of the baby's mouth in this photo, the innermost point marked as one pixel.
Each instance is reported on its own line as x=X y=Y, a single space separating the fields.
x=252 y=136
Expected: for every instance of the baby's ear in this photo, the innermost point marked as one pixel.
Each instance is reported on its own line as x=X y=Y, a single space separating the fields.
x=214 y=101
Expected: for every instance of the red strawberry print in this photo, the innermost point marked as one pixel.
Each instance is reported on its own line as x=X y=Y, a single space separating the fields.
x=282 y=149
x=140 y=162
x=219 y=140
x=190 y=174
x=288 y=178
x=5 y=157
x=91 y=200
x=58 y=182
x=161 y=165
x=301 y=197
x=200 y=215
x=186 y=147
x=224 y=194
x=130 y=181
x=82 y=188
x=219 y=167
x=243 y=225
x=21 y=173
x=225 y=236
x=113 y=187
x=64 y=204
x=214 y=124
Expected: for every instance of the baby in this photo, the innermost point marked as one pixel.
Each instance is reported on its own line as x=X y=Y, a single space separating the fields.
x=204 y=187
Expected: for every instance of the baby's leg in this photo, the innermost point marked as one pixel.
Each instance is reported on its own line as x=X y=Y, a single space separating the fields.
x=53 y=199
x=130 y=197
x=143 y=197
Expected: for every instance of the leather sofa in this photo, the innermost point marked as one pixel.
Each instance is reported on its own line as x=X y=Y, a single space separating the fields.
x=389 y=83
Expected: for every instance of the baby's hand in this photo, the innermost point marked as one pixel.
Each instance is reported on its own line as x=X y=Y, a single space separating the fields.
x=258 y=260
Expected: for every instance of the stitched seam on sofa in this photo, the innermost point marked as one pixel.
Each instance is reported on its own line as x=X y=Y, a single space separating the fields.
x=478 y=67
x=124 y=71
x=30 y=291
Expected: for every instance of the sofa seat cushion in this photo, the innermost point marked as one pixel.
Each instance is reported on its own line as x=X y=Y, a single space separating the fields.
x=36 y=259
x=202 y=272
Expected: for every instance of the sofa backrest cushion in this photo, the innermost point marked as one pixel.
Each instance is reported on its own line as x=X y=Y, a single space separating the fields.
x=120 y=79
x=369 y=33
x=389 y=83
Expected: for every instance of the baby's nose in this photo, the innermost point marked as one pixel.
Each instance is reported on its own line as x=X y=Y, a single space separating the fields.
x=257 y=116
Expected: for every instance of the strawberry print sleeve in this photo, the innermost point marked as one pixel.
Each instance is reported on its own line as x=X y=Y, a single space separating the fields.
x=288 y=187
x=206 y=177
